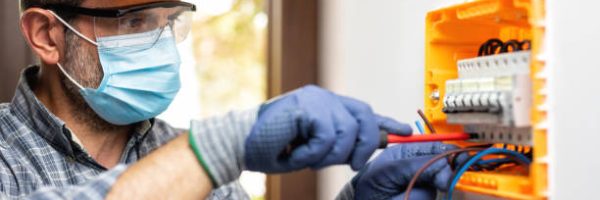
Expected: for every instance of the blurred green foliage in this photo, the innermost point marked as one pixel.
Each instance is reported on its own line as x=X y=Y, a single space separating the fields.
x=230 y=51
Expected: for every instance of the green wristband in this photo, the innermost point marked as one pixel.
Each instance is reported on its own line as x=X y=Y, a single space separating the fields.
x=196 y=150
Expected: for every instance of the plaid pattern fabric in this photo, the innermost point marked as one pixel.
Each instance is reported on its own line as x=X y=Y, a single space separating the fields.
x=347 y=193
x=39 y=159
x=218 y=138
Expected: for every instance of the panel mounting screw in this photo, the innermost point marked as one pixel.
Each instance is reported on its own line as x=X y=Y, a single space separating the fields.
x=435 y=95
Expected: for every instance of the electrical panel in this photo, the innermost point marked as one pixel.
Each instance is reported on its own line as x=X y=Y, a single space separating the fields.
x=491 y=98
x=484 y=75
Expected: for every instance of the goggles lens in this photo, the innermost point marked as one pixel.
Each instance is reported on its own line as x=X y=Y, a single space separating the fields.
x=151 y=22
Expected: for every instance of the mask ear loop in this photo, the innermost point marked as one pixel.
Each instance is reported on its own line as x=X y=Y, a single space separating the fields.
x=69 y=76
x=78 y=34
x=73 y=29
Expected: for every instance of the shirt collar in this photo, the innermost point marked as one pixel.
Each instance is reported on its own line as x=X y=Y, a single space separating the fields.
x=32 y=112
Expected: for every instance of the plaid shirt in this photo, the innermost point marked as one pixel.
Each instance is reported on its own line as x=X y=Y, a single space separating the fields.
x=40 y=158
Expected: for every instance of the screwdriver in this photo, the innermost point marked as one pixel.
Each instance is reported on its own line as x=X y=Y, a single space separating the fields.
x=388 y=138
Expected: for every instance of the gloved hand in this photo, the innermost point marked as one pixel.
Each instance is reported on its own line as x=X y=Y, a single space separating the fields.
x=388 y=175
x=326 y=128
x=323 y=129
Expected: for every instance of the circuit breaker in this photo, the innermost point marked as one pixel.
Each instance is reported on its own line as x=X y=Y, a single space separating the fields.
x=484 y=76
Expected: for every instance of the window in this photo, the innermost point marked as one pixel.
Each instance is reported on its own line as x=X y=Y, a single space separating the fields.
x=224 y=67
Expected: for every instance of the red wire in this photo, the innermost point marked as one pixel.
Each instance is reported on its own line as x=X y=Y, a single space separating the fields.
x=427 y=138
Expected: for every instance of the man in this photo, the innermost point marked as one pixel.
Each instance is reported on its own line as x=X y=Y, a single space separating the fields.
x=81 y=124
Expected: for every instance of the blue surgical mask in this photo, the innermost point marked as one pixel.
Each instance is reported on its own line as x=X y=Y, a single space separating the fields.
x=141 y=76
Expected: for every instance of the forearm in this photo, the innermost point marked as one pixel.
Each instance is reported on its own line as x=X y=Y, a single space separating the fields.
x=170 y=172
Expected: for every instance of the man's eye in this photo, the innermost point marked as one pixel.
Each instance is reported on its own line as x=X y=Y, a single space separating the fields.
x=135 y=23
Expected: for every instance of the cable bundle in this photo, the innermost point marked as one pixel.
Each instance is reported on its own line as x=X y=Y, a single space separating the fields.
x=476 y=160
x=495 y=46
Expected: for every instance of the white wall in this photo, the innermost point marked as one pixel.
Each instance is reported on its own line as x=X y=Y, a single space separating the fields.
x=374 y=50
x=573 y=35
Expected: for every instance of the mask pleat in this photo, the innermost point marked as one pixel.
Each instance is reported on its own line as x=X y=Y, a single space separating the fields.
x=140 y=81
x=120 y=116
x=163 y=81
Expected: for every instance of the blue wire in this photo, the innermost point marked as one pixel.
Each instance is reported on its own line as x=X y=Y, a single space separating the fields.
x=475 y=158
x=420 y=127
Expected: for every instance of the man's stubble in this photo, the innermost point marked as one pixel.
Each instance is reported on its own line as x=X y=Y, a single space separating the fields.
x=81 y=63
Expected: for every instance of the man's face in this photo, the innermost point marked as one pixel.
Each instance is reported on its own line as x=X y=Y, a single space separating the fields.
x=81 y=57
x=81 y=60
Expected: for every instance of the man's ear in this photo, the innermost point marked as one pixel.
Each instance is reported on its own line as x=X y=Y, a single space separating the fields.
x=44 y=34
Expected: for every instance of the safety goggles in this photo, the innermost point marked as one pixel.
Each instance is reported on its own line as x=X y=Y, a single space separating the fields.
x=149 y=19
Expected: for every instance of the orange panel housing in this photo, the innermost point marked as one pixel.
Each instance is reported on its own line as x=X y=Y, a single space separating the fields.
x=455 y=33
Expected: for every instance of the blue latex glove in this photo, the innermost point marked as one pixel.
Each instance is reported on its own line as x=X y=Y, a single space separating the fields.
x=388 y=175
x=325 y=128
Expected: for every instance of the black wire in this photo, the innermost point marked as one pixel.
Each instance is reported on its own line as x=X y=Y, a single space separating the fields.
x=525 y=42
x=514 y=44
x=484 y=49
x=460 y=165
x=493 y=45
x=493 y=48
x=529 y=154
x=494 y=166
x=452 y=158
